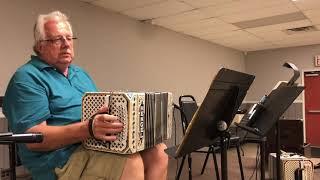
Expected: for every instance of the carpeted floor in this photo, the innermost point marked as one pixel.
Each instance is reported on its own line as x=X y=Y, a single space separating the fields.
x=248 y=161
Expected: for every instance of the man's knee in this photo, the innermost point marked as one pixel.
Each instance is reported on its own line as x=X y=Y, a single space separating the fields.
x=135 y=160
x=162 y=156
x=134 y=168
x=156 y=156
x=155 y=162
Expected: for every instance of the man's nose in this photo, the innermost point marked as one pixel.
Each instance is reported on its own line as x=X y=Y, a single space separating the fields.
x=65 y=42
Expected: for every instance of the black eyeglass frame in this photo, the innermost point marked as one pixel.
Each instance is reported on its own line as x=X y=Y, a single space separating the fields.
x=60 y=40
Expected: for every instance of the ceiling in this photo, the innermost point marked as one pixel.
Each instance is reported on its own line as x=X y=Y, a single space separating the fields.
x=246 y=25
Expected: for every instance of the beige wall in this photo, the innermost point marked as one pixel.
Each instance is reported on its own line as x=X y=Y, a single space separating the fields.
x=119 y=53
x=267 y=67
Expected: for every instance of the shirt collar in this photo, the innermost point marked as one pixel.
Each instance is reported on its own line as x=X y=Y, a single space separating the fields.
x=40 y=64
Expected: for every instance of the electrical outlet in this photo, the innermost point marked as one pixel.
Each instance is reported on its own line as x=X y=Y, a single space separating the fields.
x=5 y=174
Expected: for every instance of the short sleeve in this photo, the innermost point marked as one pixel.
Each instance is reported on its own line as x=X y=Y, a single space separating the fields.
x=25 y=105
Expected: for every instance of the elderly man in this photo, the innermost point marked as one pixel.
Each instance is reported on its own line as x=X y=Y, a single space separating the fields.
x=44 y=95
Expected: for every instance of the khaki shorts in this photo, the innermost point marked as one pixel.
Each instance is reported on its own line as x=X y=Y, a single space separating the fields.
x=87 y=164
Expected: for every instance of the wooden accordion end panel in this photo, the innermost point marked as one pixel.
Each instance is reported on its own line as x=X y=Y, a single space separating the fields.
x=147 y=119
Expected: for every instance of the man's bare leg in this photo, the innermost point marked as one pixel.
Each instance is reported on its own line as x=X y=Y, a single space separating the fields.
x=134 y=169
x=155 y=162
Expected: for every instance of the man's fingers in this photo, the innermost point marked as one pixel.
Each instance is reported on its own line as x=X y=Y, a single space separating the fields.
x=108 y=124
x=113 y=125
x=106 y=127
x=103 y=109
x=107 y=137
x=101 y=130
x=107 y=118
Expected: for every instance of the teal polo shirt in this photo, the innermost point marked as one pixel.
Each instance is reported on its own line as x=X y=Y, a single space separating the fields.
x=37 y=92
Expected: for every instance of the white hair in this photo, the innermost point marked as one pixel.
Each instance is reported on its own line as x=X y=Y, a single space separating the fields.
x=38 y=31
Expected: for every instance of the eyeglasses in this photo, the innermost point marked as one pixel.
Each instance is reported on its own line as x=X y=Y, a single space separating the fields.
x=60 y=40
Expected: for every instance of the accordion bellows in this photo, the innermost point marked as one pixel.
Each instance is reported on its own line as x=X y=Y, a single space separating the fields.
x=147 y=119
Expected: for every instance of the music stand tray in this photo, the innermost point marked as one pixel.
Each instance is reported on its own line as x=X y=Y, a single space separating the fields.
x=271 y=109
x=275 y=104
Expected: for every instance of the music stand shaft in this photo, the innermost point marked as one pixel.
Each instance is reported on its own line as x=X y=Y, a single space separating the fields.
x=224 y=157
x=278 y=150
x=263 y=157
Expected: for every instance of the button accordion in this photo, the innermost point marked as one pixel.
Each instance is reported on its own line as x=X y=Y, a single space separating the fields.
x=147 y=119
x=292 y=167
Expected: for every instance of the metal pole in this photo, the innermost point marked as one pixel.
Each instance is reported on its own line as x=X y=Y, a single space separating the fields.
x=224 y=158
x=278 y=150
x=263 y=157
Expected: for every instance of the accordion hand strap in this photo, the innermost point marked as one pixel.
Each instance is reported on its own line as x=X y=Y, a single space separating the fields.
x=90 y=126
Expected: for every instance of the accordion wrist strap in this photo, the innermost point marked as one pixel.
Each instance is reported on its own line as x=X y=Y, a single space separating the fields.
x=90 y=126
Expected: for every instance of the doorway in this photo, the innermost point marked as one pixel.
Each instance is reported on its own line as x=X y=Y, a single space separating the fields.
x=311 y=107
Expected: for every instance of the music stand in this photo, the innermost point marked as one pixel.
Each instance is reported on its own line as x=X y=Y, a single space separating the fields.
x=214 y=116
x=267 y=112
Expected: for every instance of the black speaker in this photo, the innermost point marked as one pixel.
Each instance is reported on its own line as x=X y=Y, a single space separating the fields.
x=291 y=136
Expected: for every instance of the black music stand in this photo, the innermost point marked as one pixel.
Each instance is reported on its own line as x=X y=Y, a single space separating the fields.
x=11 y=140
x=214 y=116
x=266 y=114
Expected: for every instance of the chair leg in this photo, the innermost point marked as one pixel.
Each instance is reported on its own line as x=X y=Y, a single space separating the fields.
x=215 y=164
x=180 y=168
x=12 y=152
x=206 y=160
x=190 y=166
x=240 y=162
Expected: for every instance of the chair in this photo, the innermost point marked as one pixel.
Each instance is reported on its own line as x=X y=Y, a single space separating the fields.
x=10 y=139
x=188 y=107
x=12 y=149
x=12 y=155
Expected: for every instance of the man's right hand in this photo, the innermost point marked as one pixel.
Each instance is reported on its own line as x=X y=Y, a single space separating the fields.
x=106 y=127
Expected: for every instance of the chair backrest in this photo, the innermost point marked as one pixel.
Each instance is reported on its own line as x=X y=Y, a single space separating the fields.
x=188 y=106
x=1 y=101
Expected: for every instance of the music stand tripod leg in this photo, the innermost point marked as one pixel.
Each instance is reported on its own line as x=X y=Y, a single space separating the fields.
x=190 y=166
x=215 y=164
x=206 y=159
x=239 y=160
x=180 y=168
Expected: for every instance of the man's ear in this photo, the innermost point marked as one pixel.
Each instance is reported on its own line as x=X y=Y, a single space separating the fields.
x=37 y=48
